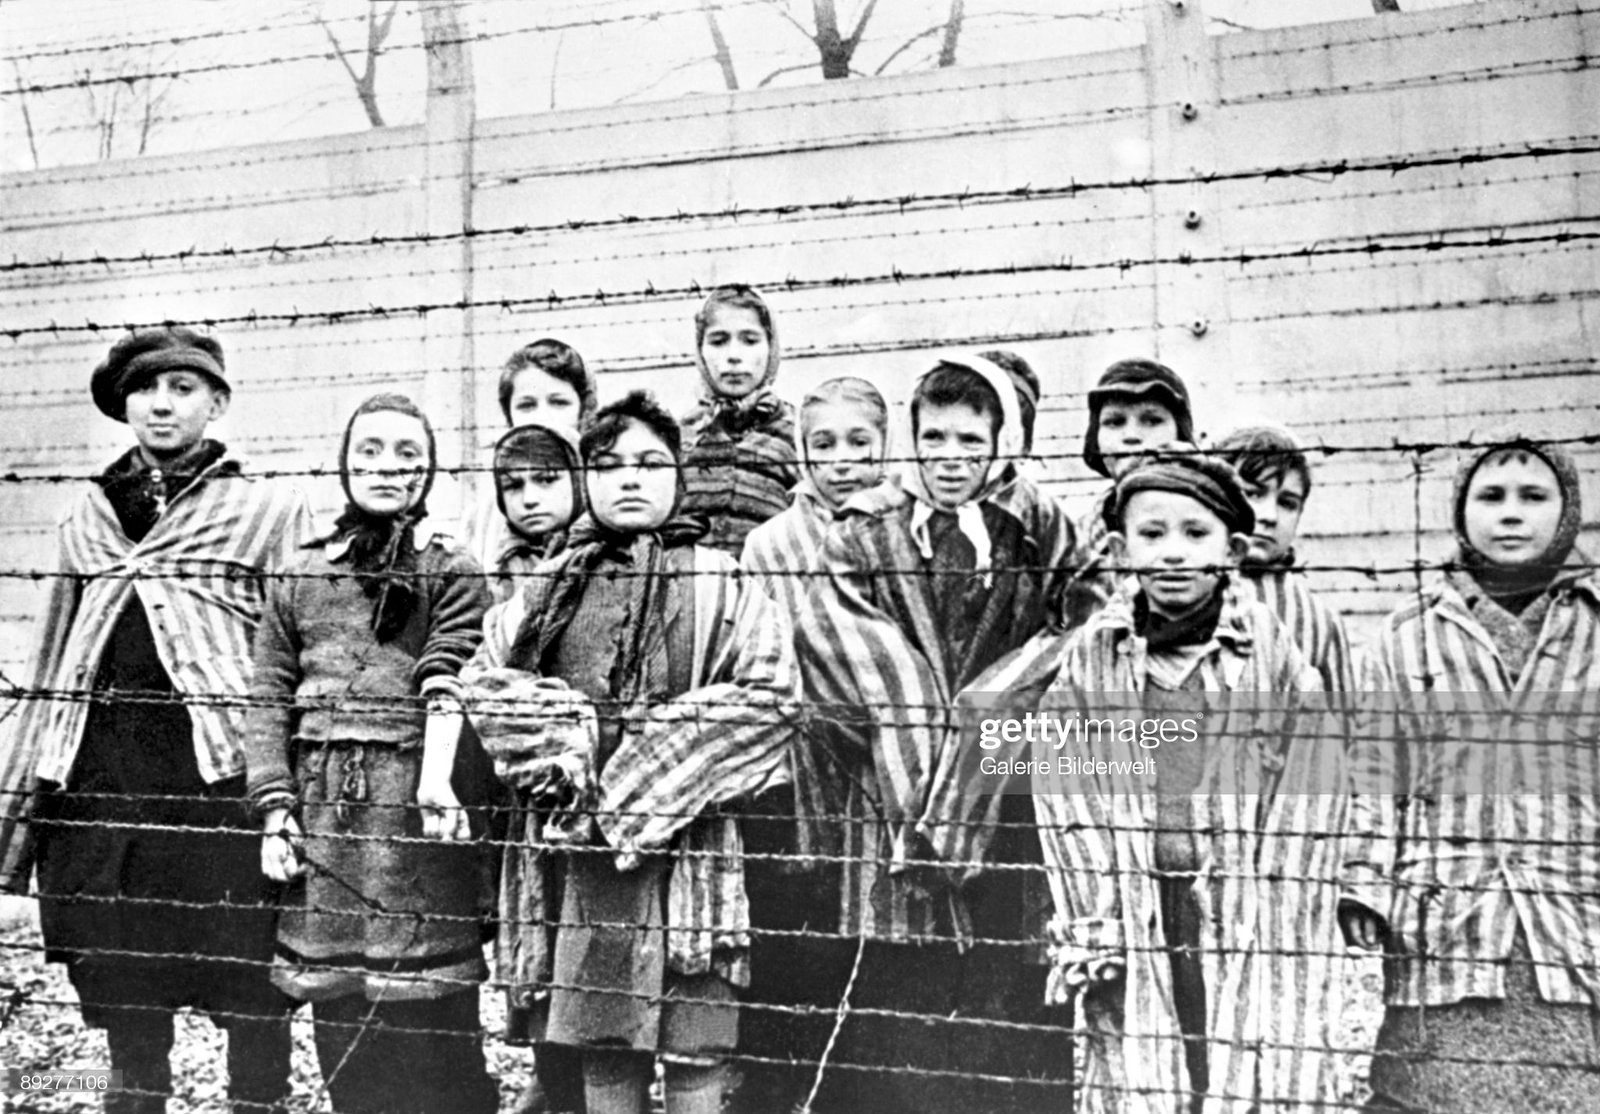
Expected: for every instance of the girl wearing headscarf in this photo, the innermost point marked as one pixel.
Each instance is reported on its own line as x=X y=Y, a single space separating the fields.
x=1476 y=867
x=1194 y=869
x=351 y=743
x=633 y=687
x=538 y=487
x=739 y=459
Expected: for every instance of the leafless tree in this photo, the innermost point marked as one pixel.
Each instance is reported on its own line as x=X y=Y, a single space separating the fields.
x=719 y=43
x=366 y=82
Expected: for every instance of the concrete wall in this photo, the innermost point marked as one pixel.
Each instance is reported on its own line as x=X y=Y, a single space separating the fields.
x=1405 y=277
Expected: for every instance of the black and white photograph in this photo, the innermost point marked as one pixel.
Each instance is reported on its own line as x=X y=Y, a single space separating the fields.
x=800 y=556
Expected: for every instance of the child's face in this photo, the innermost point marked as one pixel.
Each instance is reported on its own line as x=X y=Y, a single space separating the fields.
x=538 y=396
x=955 y=445
x=1513 y=508
x=735 y=349
x=1128 y=426
x=538 y=501
x=1277 y=504
x=169 y=411
x=1179 y=547
x=634 y=484
x=844 y=450
x=387 y=462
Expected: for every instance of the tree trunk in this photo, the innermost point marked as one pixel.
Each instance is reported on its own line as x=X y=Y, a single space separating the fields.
x=830 y=45
x=720 y=45
x=1385 y=5
x=952 y=33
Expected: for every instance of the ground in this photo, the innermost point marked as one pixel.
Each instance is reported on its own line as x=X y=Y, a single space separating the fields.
x=39 y=1028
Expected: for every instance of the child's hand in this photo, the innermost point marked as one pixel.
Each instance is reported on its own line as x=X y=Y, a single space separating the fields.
x=442 y=814
x=280 y=846
x=1362 y=927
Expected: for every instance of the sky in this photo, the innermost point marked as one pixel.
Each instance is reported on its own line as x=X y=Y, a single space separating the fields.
x=262 y=70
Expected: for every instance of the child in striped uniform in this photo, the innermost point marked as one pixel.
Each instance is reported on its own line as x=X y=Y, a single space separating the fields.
x=1138 y=405
x=351 y=742
x=1277 y=481
x=843 y=439
x=638 y=685
x=1195 y=907
x=927 y=583
x=1476 y=863
x=739 y=456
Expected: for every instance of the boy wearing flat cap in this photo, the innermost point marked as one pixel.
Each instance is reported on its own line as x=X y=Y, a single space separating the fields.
x=1193 y=871
x=121 y=788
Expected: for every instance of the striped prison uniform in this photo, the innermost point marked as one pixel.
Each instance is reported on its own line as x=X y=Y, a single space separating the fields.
x=723 y=740
x=1480 y=813
x=199 y=574
x=879 y=670
x=1265 y=818
x=1316 y=628
x=737 y=476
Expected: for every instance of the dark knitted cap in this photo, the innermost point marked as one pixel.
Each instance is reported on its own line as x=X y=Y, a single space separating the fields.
x=141 y=355
x=1139 y=379
x=1184 y=469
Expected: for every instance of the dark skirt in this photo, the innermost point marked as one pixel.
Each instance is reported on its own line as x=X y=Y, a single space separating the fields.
x=150 y=883
x=612 y=986
x=381 y=910
x=1465 y=1056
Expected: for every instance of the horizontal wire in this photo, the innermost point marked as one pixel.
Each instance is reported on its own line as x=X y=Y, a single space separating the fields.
x=1373 y=246
x=1456 y=157
x=109 y=46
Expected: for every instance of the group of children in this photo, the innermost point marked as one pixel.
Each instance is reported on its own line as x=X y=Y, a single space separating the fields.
x=684 y=729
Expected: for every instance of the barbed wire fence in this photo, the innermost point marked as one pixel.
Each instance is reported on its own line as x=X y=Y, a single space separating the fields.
x=1394 y=253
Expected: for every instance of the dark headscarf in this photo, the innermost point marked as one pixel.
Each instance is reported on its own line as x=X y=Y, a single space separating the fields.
x=539 y=448
x=1512 y=585
x=382 y=548
x=1139 y=380
x=1186 y=470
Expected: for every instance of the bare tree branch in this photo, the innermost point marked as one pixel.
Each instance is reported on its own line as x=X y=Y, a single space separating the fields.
x=720 y=44
x=27 y=114
x=764 y=82
x=679 y=68
x=861 y=28
x=366 y=82
x=555 y=66
x=907 y=45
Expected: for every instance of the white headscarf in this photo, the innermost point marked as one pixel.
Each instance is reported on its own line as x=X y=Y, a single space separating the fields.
x=1008 y=448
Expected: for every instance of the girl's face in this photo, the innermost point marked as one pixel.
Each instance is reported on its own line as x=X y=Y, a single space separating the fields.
x=735 y=350
x=633 y=485
x=387 y=462
x=169 y=411
x=955 y=446
x=538 y=501
x=1513 y=508
x=538 y=396
x=844 y=450
x=1128 y=426
x=1277 y=504
x=1178 y=547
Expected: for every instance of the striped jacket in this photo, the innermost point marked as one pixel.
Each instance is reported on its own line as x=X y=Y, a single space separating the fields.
x=1266 y=832
x=200 y=575
x=1315 y=627
x=876 y=668
x=1494 y=818
x=723 y=740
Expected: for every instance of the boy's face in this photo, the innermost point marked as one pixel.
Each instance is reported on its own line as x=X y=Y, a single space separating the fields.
x=735 y=350
x=955 y=446
x=538 y=396
x=1179 y=547
x=1513 y=508
x=169 y=411
x=1277 y=503
x=538 y=501
x=844 y=450
x=1128 y=426
x=387 y=462
x=634 y=484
